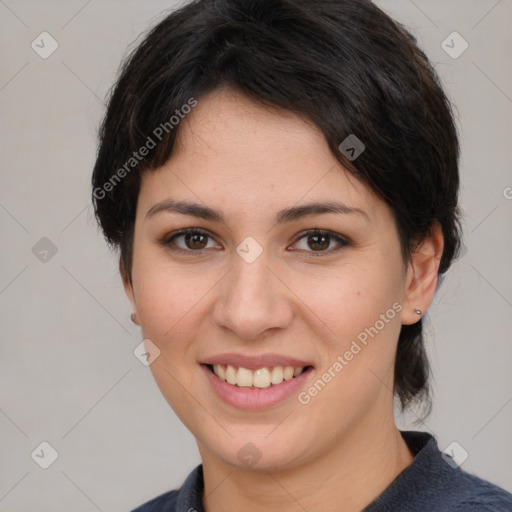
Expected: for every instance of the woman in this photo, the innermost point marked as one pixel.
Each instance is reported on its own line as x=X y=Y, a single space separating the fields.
x=281 y=179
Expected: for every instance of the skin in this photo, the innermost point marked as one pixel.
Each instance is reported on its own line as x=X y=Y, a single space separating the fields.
x=249 y=162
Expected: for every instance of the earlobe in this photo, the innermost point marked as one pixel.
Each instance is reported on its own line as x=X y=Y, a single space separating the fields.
x=422 y=276
x=128 y=288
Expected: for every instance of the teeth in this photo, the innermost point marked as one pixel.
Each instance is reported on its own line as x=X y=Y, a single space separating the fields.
x=244 y=378
x=220 y=371
x=261 y=378
x=277 y=375
x=230 y=374
x=288 y=373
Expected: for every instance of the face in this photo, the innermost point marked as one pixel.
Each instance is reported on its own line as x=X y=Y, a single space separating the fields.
x=266 y=280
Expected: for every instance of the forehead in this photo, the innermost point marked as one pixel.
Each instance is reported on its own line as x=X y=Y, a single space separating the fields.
x=233 y=151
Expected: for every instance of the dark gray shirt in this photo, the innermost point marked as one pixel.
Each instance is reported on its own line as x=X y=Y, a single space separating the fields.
x=428 y=484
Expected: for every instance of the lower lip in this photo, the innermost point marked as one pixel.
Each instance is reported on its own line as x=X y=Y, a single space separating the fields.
x=255 y=398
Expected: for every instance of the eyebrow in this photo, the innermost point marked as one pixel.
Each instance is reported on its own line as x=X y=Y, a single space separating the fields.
x=287 y=215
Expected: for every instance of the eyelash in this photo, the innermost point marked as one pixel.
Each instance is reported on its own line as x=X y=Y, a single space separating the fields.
x=168 y=240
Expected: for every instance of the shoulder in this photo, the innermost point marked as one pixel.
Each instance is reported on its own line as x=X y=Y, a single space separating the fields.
x=465 y=491
x=163 y=503
x=475 y=494
x=187 y=497
x=433 y=481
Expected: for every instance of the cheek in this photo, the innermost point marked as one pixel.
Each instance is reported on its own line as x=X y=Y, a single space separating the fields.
x=357 y=320
x=351 y=299
x=169 y=304
x=168 y=296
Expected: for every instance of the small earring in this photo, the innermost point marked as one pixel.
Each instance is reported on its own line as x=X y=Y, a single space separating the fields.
x=418 y=311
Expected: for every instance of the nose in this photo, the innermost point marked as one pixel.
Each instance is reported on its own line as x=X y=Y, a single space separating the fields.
x=252 y=299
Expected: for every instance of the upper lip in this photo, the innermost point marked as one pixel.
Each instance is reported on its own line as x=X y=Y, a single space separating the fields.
x=254 y=362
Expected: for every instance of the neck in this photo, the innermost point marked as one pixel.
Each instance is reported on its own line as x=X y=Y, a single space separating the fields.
x=356 y=470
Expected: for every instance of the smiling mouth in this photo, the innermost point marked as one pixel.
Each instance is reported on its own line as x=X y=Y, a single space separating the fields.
x=258 y=379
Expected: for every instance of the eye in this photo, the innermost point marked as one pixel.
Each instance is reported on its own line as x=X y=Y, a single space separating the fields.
x=320 y=241
x=188 y=240
x=196 y=240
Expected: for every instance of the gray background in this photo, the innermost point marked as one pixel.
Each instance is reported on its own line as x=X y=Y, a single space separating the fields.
x=67 y=372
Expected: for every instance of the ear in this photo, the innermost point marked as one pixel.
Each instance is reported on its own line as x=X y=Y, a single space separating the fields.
x=422 y=277
x=128 y=286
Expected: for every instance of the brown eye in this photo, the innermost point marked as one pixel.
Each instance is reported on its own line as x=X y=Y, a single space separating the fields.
x=195 y=241
x=320 y=242
x=189 y=240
